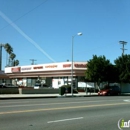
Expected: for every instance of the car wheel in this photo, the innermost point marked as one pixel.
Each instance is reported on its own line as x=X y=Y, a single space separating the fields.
x=118 y=94
x=108 y=94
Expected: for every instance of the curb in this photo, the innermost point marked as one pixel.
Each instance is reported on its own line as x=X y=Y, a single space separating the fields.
x=4 y=97
x=32 y=97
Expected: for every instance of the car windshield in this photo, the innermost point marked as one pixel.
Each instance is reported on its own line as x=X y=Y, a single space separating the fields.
x=37 y=84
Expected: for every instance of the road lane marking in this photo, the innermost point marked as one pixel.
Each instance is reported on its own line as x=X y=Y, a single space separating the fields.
x=127 y=100
x=78 y=118
x=28 y=105
x=62 y=108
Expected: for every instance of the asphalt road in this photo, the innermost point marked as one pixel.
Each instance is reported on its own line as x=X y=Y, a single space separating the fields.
x=76 y=113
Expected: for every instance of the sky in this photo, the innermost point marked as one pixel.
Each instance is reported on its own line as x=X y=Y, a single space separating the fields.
x=43 y=29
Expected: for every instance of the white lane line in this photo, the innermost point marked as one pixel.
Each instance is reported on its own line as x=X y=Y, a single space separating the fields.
x=78 y=118
x=127 y=100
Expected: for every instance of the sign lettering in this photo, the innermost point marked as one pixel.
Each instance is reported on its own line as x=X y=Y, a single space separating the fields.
x=16 y=69
x=51 y=66
x=66 y=65
x=80 y=65
x=38 y=67
x=27 y=68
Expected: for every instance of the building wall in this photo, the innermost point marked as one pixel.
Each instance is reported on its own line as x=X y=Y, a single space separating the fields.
x=125 y=87
x=47 y=72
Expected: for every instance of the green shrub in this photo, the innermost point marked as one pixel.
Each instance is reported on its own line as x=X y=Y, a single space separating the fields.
x=68 y=89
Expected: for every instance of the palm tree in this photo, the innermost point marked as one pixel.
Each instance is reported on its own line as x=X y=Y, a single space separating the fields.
x=9 y=50
x=15 y=62
x=10 y=61
x=12 y=57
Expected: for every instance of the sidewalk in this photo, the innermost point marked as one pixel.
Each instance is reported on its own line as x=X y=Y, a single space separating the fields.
x=23 y=96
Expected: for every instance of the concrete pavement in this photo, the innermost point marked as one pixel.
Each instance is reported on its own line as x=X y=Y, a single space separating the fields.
x=22 y=96
x=78 y=113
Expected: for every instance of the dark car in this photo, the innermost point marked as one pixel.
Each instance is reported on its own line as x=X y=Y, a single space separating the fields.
x=110 y=90
x=2 y=86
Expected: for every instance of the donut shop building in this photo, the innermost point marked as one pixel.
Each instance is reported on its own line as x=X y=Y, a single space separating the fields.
x=53 y=74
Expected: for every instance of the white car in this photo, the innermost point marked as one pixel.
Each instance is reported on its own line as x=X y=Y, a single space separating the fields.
x=37 y=86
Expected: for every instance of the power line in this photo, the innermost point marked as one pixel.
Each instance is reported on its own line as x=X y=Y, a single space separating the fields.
x=25 y=14
x=123 y=44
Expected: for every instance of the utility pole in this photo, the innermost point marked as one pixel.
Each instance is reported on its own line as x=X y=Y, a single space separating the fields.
x=123 y=44
x=33 y=61
x=1 y=45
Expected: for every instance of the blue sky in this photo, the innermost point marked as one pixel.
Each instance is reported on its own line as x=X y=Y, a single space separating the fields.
x=43 y=29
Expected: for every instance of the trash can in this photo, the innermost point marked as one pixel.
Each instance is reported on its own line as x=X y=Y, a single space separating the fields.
x=62 y=90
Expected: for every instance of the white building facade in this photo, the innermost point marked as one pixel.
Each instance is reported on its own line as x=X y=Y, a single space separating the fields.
x=53 y=74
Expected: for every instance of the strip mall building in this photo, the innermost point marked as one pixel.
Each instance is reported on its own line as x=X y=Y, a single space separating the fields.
x=53 y=74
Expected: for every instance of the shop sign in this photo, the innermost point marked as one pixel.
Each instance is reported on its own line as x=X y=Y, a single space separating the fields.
x=15 y=69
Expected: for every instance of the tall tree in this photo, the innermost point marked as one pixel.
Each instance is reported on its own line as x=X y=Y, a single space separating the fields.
x=12 y=57
x=15 y=62
x=123 y=67
x=9 y=50
x=99 y=69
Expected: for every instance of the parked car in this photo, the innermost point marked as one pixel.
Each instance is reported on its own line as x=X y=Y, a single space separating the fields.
x=37 y=86
x=9 y=85
x=110 y=90
x=45 y=85
x=2 y=86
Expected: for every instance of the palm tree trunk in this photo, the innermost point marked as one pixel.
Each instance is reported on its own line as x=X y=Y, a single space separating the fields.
x=0 y=57
x=6 y=59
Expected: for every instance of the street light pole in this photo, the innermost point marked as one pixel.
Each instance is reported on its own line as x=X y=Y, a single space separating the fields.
x=72 y=67
x=79 y=34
